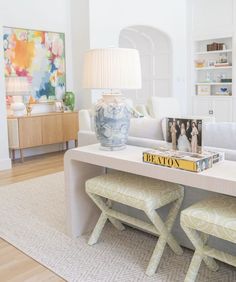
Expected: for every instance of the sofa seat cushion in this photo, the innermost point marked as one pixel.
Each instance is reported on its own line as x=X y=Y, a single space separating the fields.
x=215 y=216
x=134 y=190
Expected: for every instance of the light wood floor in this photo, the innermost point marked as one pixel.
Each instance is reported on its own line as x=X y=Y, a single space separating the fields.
x=15 y=266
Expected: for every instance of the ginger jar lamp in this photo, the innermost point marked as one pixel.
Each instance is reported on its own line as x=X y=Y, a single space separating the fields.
x=112 y=69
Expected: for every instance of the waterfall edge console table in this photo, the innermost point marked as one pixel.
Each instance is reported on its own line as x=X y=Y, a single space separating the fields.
x=86 y=162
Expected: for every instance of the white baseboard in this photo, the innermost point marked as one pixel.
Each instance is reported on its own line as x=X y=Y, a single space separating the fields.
x=5 y=164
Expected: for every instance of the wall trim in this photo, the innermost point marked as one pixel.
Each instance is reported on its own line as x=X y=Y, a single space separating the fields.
x=5 y=164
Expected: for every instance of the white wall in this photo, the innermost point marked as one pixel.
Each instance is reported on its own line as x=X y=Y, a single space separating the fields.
x=109 y=17
x=50 y=15
x=79 y=22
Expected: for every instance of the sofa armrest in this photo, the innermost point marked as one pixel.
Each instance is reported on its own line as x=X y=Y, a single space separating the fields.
x=85 y=120
x=86 y=138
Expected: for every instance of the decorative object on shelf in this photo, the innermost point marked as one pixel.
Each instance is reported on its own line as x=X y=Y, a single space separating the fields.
x=199 y=63
x=59 y=106
x=29 y=105
x=69 y=100
x=223 y=91
x=112 y=68
x=39 y=56
x=203 y=90
x=211 y=63
x=17 y=87
x=29 y=109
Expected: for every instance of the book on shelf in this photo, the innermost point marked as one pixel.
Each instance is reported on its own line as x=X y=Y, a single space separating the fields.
x=222 y=65
x=182 y=160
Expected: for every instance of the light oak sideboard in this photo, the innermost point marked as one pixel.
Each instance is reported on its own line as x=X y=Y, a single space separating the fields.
x=41 y=129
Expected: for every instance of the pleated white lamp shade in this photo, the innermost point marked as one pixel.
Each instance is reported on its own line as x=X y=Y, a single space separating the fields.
x=17 y=86
x=112 y=68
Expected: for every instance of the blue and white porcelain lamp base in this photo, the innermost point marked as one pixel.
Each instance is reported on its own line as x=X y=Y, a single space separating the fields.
x=112 y=121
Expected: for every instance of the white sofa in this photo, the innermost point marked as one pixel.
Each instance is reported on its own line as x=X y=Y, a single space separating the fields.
x=145 y=132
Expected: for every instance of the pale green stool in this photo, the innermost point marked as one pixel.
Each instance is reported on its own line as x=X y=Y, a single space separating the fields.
x=142 y=193
x=216 y=217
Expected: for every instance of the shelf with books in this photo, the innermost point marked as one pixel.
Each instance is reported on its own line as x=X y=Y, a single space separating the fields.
x=213 y=83
x=213 y=68
x=214 y=52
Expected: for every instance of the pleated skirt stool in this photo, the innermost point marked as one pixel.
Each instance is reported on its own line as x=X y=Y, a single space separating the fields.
x=142 y=193
x=216 y=217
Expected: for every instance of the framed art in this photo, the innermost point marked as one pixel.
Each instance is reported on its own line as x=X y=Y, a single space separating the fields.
x=39 y=56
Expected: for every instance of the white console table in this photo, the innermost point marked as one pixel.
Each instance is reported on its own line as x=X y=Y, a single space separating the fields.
x=86 y=162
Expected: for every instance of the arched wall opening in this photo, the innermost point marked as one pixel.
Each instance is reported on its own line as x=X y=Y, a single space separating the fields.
x=155 y=50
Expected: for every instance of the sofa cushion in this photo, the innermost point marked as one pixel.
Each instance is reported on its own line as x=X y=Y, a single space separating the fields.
x=220 y=135
x=145 y=128
x=161 y=107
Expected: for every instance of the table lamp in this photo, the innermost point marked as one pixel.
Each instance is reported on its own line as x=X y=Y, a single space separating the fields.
x=112 y=69
x=17 y=86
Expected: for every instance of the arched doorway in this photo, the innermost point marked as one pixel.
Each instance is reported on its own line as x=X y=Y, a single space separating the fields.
x=156 y=59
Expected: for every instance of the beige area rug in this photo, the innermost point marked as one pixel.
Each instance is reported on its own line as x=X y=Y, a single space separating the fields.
x=32 y=218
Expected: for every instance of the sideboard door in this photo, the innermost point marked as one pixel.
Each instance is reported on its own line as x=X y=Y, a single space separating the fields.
x=30 y=132
x=52 y=129
x=70 y=126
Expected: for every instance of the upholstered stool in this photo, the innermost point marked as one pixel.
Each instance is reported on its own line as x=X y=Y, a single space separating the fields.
x=142 y=193
x=216 y=217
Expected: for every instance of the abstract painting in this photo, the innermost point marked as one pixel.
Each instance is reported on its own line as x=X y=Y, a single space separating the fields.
x=39 y=56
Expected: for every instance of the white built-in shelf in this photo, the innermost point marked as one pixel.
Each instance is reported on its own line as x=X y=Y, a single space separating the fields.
x=213 y=83
x=214 y=52
x=213 y=68
x=214 y=96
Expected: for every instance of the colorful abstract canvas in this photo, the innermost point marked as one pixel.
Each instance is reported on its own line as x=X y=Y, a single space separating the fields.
x=39 y=56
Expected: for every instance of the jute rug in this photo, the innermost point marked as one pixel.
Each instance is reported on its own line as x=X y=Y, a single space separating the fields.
x=32 y=218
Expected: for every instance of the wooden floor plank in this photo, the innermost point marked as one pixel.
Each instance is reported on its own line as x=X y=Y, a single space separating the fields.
x=15 y=266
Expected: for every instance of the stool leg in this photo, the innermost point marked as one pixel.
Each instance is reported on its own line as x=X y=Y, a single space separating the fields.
x=165 y=236
x=104 y=207
x=198 y=242
x=118 y=225
x=98 y=229
x=194 y=267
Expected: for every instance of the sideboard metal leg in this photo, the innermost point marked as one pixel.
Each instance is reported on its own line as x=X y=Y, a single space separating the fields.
x=22 y=155
x=13 y=154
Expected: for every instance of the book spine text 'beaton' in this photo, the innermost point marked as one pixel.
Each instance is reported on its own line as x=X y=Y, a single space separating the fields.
x=194 y=166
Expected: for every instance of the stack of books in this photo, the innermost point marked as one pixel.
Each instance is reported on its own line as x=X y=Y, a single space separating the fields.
x=182 y=160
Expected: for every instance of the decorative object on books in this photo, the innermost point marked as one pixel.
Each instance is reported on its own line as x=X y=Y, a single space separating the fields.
x=38 y=56
x=223 y=91
x=17 y=86
x=112 y=68
x=69 y=100
x=184 y=134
